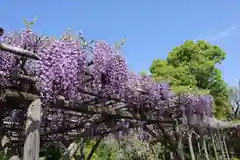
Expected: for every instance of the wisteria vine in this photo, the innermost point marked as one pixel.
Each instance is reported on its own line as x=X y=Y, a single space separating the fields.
x=64 y=68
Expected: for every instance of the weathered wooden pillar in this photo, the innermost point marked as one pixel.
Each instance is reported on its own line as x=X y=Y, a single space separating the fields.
x=199 y=149
x=171 y=156
x=214 y=146
x=190 y=145
x=178 y=137
x=221 y=145
x=205 y=148
x=32 y=132
x=225 y=147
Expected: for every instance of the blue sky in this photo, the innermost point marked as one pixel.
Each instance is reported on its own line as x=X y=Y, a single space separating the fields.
x=151 y=28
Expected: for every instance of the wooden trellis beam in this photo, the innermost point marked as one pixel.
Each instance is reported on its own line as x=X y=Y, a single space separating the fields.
x=18 y=51
x=82 y=108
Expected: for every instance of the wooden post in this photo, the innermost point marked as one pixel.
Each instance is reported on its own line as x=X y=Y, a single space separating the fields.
x=179 y=140
x=199 y=155
x=225 y=147
x=214 y=147
x=221 y=145
x=205 y=148
x=190 y=145
x=32 y=141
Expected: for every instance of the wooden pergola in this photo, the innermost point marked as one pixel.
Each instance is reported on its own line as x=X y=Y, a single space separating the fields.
x=27 y=124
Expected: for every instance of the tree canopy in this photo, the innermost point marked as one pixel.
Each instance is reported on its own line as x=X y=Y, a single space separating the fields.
x=192 y=66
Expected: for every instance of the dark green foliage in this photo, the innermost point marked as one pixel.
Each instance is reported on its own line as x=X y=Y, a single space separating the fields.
x=51 y=153
x=2 y=156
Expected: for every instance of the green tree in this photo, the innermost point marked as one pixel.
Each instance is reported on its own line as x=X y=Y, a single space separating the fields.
x=192 y=66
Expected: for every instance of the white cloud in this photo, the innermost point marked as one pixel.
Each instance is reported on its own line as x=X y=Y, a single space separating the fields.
x=224 y=33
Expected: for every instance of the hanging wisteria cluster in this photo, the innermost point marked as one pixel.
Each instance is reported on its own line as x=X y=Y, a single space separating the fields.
x=64 y=69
